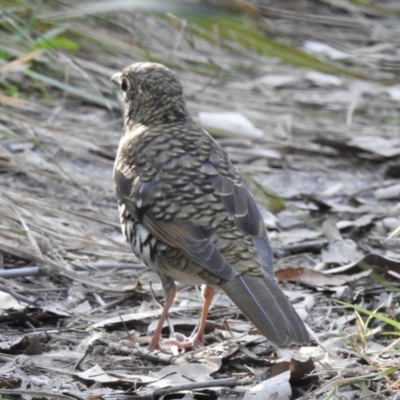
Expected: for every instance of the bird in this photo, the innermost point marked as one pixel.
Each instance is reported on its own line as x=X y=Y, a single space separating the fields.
x=186 y=212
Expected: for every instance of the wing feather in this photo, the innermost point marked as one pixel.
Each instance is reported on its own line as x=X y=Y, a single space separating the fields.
x=240 y=204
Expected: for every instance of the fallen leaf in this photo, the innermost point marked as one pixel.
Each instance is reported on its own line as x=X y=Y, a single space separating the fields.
x=361 y=222
x=10 y=342
x=297 y=235
x=383 y=146
x=323 y=48
x=277 y=387
x=311 y=277
x=8 y=302
x=299 y=370
x=278 y=81
x=389 y=192
x=193 y=372
x=321 y=79
x=96 y=374
x=232 y=122
x=388 y=268
x=34 y=348
x=339 y=250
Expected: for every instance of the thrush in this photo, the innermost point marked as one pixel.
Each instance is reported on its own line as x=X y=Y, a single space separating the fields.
x=186 y=212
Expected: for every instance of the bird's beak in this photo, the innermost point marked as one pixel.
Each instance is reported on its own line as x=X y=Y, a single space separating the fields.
x=116 y=79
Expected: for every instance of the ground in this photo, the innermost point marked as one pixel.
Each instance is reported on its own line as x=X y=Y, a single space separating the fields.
x=302 y=95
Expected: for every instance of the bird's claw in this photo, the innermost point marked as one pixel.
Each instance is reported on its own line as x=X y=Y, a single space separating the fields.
x=183 y=342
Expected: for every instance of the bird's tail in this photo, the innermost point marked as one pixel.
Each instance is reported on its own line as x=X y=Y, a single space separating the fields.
x=265 y=305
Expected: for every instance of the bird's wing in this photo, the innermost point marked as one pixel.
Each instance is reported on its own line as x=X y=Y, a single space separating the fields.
x=192 y=240
x=240 y=204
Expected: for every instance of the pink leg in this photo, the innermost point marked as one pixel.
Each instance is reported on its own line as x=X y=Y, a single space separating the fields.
x=207 y=294
x=169 y=298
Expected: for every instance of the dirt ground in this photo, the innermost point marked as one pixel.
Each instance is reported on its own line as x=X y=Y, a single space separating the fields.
x=303 y=95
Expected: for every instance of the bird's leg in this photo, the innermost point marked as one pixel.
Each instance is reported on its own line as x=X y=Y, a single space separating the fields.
x=207 y=293
x=169 y=289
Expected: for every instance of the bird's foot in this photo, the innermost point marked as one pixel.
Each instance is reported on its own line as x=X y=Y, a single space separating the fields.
x=185 y=343
x=154 y=344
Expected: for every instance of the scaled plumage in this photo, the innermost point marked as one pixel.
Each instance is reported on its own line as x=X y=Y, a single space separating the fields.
x=186 y=212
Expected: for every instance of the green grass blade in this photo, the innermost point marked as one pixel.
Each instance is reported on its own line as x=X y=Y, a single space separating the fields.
x=248 y=35
x=373 y=314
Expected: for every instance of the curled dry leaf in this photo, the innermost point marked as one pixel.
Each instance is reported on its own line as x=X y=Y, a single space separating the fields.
x=34 y=348
x=309 y=277
x=315 y=278
x=299 y=370
x=387 y=267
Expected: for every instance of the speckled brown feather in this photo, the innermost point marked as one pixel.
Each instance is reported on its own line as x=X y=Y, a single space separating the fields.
x=185 y=209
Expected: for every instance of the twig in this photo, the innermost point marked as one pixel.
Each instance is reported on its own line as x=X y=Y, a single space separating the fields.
x=159 y=358
x=111 y=265
x=22 y=272
x=156 y=358
x=126 y=328
x=307 y=245
x=34 y=393
x=80 y=360
x=111 y=304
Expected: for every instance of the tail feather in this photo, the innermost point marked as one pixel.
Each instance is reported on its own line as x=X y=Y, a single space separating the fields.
x=265 y=305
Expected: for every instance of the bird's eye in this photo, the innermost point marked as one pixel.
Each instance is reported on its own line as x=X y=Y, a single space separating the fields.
x=125 y=84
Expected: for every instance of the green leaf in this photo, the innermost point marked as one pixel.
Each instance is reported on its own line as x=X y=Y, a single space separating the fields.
x=56 y=43
x=374 y=314
x=11 y=90
x=385 y=373
x=53 y=39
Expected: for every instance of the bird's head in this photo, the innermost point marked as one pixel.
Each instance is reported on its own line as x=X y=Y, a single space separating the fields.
x=152 y=94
